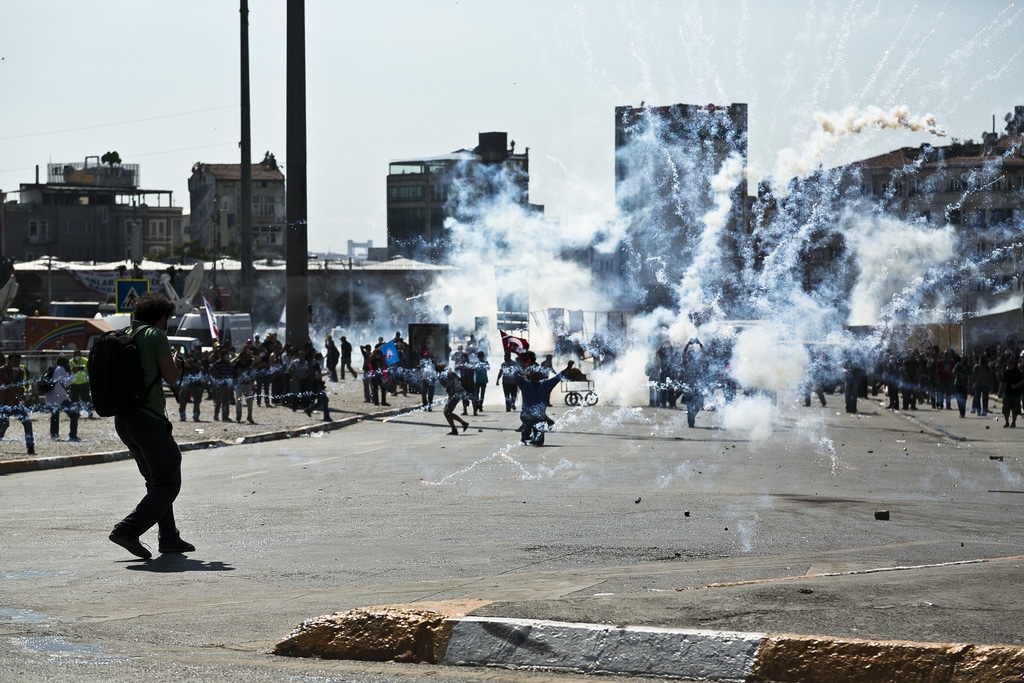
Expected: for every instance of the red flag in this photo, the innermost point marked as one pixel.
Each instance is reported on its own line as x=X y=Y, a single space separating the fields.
x=512 y=344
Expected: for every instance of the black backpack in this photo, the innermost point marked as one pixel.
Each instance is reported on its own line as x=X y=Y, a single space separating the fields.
x=116 y=381
x=46 y=383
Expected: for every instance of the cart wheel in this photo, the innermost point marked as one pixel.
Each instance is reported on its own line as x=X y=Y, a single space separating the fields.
x=590 y=398
x=572 y=398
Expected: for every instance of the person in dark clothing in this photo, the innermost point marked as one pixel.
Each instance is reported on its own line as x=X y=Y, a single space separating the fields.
x=467 y=375
x=147 y=434
x=507 y=380
x=378 y=378
x=192 y=387
x=983 y=379
x=332 y=358
x=480 y=370
x=694 y=374
x=911 y=380
x=427 y=376
x=535 y=388
x=222 y=378
x=453 y=386
x=1010 y=391
x=346 y=359
x=961 y=383
x=367 y=351
x=12 y=399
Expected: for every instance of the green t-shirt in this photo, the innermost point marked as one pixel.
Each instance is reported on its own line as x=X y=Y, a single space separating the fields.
x=153 y=344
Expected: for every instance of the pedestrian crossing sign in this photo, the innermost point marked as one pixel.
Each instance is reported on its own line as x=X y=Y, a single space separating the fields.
x=128 y=292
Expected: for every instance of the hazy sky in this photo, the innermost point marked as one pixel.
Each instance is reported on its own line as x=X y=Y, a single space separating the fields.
x=158 y=83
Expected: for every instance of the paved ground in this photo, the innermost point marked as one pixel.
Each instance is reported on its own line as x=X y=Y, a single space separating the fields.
x=626 y=517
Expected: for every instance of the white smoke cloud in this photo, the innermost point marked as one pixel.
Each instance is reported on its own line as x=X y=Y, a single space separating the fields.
x=893 y=258
x=769 y=358
x=753 y=415
x=708 y=255
x=833 y=128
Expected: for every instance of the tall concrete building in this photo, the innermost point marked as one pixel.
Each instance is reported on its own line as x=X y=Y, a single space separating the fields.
x=423 y=193
x=90 y=211
x=215 y=193
x=665 y=160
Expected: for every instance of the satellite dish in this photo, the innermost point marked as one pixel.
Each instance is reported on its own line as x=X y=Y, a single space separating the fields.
x=193 y=282
x=7 y=294
x=183 y=304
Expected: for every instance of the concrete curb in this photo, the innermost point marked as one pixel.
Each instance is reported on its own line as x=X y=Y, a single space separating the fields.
x=50 y=463
x=410 y=634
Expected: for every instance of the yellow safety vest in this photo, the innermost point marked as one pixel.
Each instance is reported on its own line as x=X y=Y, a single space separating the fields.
x=80 y=369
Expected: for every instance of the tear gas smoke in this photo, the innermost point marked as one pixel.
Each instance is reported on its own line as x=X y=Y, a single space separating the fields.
x=894 y=259
x=833 y=128
x=676 y=236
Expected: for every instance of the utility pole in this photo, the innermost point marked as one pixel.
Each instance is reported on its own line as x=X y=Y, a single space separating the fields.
x=296 y=253
x=245 y=251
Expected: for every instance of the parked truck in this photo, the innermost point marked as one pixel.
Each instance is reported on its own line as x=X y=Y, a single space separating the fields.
x=48 y=333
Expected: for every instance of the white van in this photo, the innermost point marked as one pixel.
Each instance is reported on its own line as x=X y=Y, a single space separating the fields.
x=234 y=328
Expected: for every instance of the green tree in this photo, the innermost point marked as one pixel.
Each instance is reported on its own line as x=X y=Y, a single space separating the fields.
x=189 y=250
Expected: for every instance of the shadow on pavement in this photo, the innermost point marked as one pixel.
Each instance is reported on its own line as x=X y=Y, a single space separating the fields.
x=173 y=562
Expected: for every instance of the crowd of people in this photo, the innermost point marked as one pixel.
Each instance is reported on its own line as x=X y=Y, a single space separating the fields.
x=266 y=373
x=392 y=367
x=937 y=379
x=263 y=373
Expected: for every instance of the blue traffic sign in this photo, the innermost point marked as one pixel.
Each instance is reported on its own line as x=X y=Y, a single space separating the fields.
x=128 y=292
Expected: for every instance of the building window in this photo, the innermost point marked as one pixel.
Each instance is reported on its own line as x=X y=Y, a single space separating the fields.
x=267 y=235
x=263 y=205
x=406 y=193
x=156 y=229
x=38 y=231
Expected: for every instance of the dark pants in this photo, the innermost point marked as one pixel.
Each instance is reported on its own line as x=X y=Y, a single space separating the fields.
x=222 y=393
x=193 y=391
x=981 y=398
x=79 y=394
x=72 y=412
x=150 y=442
x=511 y=392
x=961 y=401
x=19 y=413
x=1011 y=407
x=693 y=405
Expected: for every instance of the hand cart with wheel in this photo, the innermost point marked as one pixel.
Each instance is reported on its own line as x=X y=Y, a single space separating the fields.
x=579 y=391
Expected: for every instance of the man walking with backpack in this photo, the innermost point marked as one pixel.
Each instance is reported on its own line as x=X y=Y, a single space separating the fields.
x=146 y=432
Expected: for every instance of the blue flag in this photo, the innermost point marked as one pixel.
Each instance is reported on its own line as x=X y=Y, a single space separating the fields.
x=390 y=352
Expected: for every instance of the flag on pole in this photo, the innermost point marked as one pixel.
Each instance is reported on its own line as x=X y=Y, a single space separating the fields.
x=214 y=332
x=390 y=352
x=512 y=344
